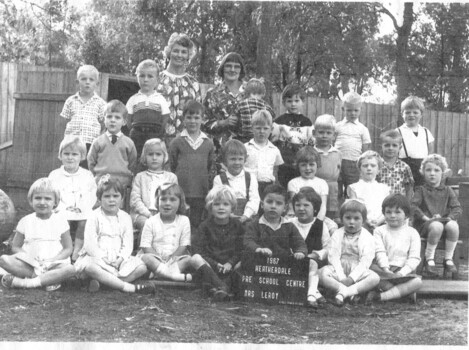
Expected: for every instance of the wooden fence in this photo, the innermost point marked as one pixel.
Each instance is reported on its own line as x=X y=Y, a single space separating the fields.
x=31 y=129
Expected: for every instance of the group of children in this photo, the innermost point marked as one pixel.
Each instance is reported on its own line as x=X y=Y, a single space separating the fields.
x=270 y=198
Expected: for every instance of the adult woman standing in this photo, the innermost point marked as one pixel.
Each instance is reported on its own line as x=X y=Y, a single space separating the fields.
x=221 y=100
x=175 y=84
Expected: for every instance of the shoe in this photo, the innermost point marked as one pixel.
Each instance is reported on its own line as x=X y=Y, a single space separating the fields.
x=430 y=269
x=354 y=299
x=7 y=280
x=94 y=286
x=321 y=300
x=413 y=297
x=312 y=302
x=449 y=266
x=219 y=294
x=145 y=288
x=53 y=287
x=371 y=297
x=338 y=300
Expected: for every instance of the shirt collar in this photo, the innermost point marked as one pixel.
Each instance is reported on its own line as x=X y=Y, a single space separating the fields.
x=78 y=97
x=251 y=142
x=332 y=149
x=263 y=221
x=108 y=134
x=202 y=135
x=231 y=176
x=152 y=94
x=431 y=188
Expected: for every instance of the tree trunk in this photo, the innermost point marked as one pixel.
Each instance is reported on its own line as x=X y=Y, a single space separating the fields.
x=264 y=47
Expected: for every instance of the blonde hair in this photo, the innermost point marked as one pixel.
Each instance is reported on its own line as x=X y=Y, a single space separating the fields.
x=325 y=121
x=368 y=155
x=261 y=117
x=73 y=140
x=436 y=159
x=148 y=64
x=180 y=39
x=217 y=193
x=88 y=68
x=44 y=185
x=353 y=98
x=153 y=142
x=412 y=102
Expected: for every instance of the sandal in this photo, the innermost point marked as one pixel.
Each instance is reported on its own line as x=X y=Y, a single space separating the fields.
x=7 y=280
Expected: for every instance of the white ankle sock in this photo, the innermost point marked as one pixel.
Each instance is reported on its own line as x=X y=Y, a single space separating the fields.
x=128 y=288
x=430 y=251
x=26 y=282
x=450 y=246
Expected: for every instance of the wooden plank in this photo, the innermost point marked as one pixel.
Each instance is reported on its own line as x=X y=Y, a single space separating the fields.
x=441 y=128
x=454 y=143
x=448 y=118
x=173 y=284
x=40 y=96
x=6 y=145
x=463 y=161
x=444 y=287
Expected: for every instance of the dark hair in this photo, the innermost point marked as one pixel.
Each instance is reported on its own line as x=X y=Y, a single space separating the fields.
x=396 y=201
x=292 y=90
x=254 y=87
x=275 y=189
x=233 y=147
x=192 y=106
x=231 y=57
x=106 y=183
x=310 y=195
x=392 y=134
x=354 y=206
x=117 y=106
x=307 y=154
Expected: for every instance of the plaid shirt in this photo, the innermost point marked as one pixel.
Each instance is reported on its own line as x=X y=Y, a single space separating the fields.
x=246 y=109
x=397 y=176
x=85 y=118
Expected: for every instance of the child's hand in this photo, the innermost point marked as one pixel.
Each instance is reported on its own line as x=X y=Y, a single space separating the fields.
x=298 y=256
x=264 y=251
x=243 y=219
x=232 y=120
x=347 y=282
x=314 y=256
x=436 y=216
x=225 y=268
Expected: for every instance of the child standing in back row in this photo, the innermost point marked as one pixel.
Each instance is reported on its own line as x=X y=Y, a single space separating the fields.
x=148 y=109
x=192 y=158
x=353 y=138
x=85 y=110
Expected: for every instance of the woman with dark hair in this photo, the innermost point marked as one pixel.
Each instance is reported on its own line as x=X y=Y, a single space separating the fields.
x=175 y=84
x=221 y=100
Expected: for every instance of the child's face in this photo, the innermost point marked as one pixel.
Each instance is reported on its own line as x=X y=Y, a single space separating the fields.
x=369 y=169
x=43 y=203
x=70 y=158
x=87 y=83
x=221 y=209
x=352 y=111
x=308 y=169
x=231 y=71
x=304 y=210
x=412 y=116
x=168 y=205
x=274 y=207
x=147 y=79
x=235 y=163
x=395 y=217
x=432 y=174
x=193 y=121
x=111 y=201
x=179 y=55
x=257 y=96
x=390 y=148
x=155 y=158
x=293 y=104
x=323 y=136
x=353 y=221
x=261 y=132
x=114 y=122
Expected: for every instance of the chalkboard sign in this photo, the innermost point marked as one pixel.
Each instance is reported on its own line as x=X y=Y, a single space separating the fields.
x=274 y=280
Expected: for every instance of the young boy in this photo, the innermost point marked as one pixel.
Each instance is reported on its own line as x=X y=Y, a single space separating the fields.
x=113 y=153
x=394 y=172
x=331 y=160
x=85 y=110
x=244 y=185
x=353 y=138
x=148 y=109
x=255 y=92
x=292 y=98
x=417 y=141
x=192 y=159
x=263 y=158
x=271 y=234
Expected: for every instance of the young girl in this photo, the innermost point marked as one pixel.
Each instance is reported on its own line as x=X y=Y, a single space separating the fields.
x=436 y=209
x=147 y=183
x=105 y=256
x=397 y=252
x=165 y=241
x=219 y=239
x=42 y=244
x=77 y=188
x=350 y=253
x=308 y=161
x=368 y=190
x=306 y=204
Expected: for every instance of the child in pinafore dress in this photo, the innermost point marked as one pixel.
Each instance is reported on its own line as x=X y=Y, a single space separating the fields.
x=331 y=160
x=106 y=254
x=166 y=238
x=397 y=252
x=42 y=244
x=146 y=184
x=77 y=188
x=350 y=253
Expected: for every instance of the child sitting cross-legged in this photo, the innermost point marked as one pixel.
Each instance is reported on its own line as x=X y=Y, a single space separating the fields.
x=306 y=204
x=42 y=244
x=166 y=238
x=436 y=209
x=350 y=253
x=219 y=239
x=243 y=184
x=106 y=254
x=397 y=252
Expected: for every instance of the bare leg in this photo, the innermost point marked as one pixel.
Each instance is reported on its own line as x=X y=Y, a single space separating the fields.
x=57 y=276
x=151 y=262
x=403 y=289
x=313 y=279
x=452 y=236
x=16 y=267
x=435 y=230
x=96 y=272
x=328 y=279
x=137 y=273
